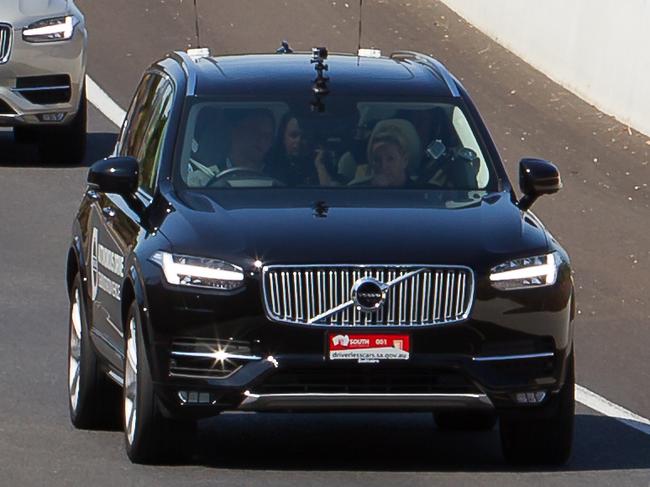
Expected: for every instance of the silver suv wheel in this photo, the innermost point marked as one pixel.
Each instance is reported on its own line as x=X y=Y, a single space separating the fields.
x=131 y=383
x=74 y=350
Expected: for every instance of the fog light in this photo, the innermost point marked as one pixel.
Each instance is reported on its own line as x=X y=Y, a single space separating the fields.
x=52 y=117
x=195 y=398
x=530 y=397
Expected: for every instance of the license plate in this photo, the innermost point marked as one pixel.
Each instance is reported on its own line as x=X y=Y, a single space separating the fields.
x=368 y=348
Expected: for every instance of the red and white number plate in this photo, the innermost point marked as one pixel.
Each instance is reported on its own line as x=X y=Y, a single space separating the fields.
x=368 y=347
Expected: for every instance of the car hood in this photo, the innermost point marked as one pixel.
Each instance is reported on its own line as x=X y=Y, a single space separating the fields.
x=473 y=230
x=21 y=13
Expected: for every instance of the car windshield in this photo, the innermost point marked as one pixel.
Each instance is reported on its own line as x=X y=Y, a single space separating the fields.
x=350 y=144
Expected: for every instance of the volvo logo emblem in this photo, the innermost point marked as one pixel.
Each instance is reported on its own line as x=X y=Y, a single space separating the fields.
x=369 y=294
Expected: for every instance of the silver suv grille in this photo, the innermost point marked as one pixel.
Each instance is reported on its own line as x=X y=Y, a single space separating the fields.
x=5 y=42
x=322 y=295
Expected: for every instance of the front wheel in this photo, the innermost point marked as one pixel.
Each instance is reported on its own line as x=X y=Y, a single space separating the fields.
x=92 y=398
x=543 y=440
x=149 y=437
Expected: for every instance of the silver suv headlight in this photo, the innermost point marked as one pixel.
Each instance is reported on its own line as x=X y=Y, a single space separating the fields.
x=525 y=273
x=186 y=270
x=49 y=30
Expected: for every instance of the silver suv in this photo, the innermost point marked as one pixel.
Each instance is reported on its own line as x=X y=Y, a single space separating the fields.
x=42 y=72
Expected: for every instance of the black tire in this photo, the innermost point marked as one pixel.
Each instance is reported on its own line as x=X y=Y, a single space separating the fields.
x=153 y=438
x=65 y=144
x=543 y=440
x=93 y=399
x=465 y=420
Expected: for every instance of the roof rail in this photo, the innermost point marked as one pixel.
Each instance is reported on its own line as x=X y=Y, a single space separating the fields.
x=436 y=66
x=189 y=66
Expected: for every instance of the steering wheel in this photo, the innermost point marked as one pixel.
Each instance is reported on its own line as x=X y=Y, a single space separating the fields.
x=241 y=170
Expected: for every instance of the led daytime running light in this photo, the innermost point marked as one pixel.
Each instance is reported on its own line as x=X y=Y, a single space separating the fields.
x=66 y=28
x=175 y=271
x=547 y=270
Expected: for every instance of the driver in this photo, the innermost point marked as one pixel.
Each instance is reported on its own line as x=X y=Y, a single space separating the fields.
x=251 y=139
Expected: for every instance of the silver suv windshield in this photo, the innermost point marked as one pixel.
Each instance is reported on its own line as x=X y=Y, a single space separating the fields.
x=352 y=145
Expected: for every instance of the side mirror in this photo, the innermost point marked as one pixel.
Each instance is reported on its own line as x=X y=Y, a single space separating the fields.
x=115 y=175
x=537 y=177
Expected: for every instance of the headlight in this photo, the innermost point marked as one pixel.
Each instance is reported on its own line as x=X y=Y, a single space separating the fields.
x=184 y=270
x=526 y=273
x=57 y=29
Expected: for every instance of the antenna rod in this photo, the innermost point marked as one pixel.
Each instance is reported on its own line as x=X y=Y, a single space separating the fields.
x=196 y=25
x=360 y=22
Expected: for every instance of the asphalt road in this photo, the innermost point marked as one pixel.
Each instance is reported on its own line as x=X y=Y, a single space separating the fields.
x=600 y=217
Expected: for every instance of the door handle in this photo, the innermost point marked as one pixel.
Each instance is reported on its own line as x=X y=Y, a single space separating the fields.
x=92 y=194
x=108 y=211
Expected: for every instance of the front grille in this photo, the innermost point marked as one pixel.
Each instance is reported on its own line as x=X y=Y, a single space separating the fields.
x=365 y=380
x=5 y=42
x=322 y=295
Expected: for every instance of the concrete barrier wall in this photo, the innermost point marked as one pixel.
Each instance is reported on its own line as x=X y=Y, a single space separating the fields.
x=599 y=49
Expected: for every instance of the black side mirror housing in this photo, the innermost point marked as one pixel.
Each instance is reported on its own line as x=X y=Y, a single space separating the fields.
x=536 y=178
x=115 y=175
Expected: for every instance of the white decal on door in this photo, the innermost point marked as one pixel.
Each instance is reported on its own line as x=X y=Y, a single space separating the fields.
x=109 y=260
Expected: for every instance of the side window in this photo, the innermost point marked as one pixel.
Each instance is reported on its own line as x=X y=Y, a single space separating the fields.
x=467 y=139
x=150 y=147
x=138 y=116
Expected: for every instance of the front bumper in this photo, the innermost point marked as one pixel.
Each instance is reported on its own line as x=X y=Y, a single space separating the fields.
x=363 y=401
x=514 y=342
x=33 y=72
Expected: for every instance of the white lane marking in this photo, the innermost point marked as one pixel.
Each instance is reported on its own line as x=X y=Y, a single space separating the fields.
x=608 y=408
x=103 y=102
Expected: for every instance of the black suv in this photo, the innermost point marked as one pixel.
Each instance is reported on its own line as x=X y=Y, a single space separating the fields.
x=304 y=232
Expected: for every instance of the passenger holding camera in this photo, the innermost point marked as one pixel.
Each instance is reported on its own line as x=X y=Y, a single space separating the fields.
x=292 y=161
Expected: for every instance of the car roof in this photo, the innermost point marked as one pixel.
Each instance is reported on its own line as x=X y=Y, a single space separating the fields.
x=402 y=74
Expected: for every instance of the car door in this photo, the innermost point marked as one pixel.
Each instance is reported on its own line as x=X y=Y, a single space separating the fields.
x=116 y=223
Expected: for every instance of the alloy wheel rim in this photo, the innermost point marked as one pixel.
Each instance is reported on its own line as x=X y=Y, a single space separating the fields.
x=130 y=383
x=74 y=351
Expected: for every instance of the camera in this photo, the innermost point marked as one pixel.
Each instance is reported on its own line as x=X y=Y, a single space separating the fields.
x=319 y=54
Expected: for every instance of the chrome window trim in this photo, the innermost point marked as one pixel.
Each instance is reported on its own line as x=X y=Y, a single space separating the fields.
x=360 y=267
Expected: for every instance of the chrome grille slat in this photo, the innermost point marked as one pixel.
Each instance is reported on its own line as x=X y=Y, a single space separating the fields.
x=321 y=295
x=285 y=295
x=439 y=276
x=5 y=42
x=301 y=314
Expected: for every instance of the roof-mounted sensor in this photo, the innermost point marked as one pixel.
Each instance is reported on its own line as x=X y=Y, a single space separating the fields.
x=376 y=53
x=199 y=52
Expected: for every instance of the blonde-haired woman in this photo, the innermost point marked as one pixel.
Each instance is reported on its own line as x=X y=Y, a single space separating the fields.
x=393 y=149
